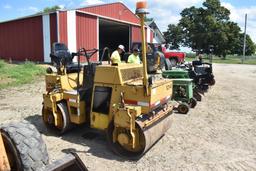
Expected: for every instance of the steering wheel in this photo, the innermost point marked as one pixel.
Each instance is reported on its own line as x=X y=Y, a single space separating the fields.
x=87 y=53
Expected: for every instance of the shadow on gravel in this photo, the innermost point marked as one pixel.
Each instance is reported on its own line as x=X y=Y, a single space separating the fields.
x=36 y=120
x=81 y=135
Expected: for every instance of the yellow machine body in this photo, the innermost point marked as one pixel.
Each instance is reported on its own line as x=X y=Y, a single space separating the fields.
x=128 y=79
x=4 y=162
x=59 y=88
x=64 y=82
x=118 y=99
x=124 y=78
x=124 y=103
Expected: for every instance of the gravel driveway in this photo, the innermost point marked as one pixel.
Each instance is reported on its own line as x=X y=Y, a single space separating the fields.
x=219 y=134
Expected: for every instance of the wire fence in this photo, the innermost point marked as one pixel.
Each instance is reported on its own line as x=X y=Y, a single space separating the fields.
x=230 y=59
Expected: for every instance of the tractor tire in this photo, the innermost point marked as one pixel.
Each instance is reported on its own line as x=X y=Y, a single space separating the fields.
x=212 y=82
x=64 y=117
x=193 y=102
x=25 y=147
x=168 y=65
x=183 y=108
x=197 y=96
x=173 y=62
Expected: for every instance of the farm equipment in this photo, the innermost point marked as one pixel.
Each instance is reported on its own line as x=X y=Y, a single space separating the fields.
x=23 y=149
x=183 y=89
x=173 y=57
x=119 y=99
x=176 y=73
x=202 y=76
x=183 y=93
x=202 y=73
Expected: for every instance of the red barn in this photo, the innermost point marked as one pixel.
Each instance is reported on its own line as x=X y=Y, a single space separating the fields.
x=89 y=27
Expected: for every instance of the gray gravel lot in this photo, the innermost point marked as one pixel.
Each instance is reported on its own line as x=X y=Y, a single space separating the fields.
x=219 y=134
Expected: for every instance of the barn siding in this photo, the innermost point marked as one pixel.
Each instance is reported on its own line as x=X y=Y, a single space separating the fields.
x=151 y=36
x=136 y=34
x=87 y=32
x=63 y=29
x=115 y=10
x=22 y=39
x=54 y=29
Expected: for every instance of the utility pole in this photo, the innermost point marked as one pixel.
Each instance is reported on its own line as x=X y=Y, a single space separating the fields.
x=245 y=26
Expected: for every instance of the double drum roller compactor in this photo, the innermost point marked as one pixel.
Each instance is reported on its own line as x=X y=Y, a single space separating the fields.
x=118 y=99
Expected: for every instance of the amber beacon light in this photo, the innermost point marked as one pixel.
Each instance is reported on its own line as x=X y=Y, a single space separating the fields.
x=141 y=7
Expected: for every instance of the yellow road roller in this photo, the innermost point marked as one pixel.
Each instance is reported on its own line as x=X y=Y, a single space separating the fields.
x=121 y=99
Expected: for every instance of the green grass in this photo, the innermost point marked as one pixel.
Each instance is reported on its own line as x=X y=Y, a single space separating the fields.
x=14 y=75
x=229 y=60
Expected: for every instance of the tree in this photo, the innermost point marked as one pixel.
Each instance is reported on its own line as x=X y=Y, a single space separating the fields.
x=148 y=19
x=250 y=46
x=173 y=36
x=50 y=9
x=207 y=29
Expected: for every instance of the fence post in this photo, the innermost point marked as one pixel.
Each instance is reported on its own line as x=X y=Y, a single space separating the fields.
x=245 y=25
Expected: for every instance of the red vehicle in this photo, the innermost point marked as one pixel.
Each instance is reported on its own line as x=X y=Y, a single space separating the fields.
x=174 y=57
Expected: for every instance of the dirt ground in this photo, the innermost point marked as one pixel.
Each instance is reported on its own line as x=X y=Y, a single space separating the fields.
x=219 y=134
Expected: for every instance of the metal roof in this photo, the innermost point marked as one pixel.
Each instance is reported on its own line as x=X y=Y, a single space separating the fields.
x=152 y=24
x=45 y=13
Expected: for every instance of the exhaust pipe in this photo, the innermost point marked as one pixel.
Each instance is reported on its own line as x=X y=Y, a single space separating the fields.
x=141 y=11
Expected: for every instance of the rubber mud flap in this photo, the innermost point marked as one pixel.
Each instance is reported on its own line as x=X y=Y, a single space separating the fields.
x=71 y=162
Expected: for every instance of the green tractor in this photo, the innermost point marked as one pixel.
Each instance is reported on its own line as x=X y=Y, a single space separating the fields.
x=183 y=94
x=183 y=89
x=176 y=73
x=181 y=73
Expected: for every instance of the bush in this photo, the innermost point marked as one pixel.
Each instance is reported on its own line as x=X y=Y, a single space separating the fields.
x=191 y=55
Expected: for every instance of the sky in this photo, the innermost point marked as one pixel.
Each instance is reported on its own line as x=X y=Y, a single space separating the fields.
x=163 y=11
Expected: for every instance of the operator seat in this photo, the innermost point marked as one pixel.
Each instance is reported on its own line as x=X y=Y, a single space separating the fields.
x=60 y=55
